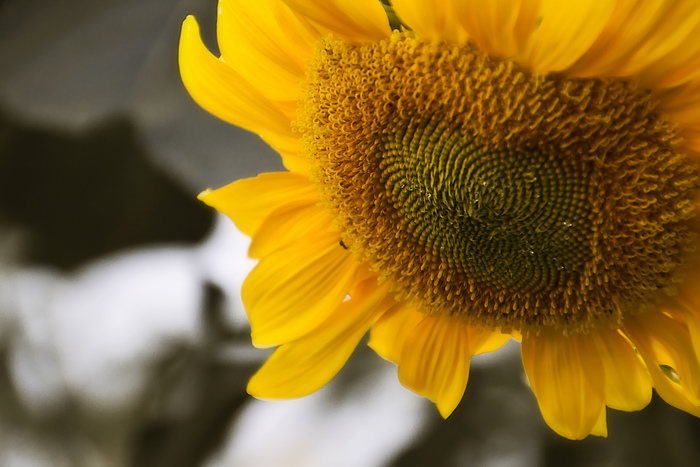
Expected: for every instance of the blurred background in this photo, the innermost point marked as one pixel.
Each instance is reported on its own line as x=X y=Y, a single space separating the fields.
x=123 y=341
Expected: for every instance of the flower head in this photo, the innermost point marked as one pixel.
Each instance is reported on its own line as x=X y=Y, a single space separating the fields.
x=522 y=168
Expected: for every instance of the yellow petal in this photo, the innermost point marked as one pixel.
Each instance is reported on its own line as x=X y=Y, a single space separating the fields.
x=303 y=366
x=431 y=20
x=669 y=53
x=656 y=40
x=687 y=310
x=297 y=287
x=672 y=392
x=677 y=68
x=293 y=159
x=482 y=340
x=250 y=200
x=268 y=44
x=629 y=26
x=601 y=425
x=389 y=333
x=499 y=27
x=354 y=21
x=691 y=144
x=563 y=372
x=683 y=105
x=224 y=93
x=296 y=163
x=287 y=224
x=566 y=30
x=435 y=362
x=666 y=347
x=627 y=381
x=515 y=334
x=689 y=293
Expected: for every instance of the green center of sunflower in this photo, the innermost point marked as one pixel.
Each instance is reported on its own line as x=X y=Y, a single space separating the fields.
x=508 y=218
x=485 y=192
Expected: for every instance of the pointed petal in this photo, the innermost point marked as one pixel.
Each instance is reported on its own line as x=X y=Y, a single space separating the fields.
x=435 y=362
x=305 y=365
x=666 y=347
x=669 y=52
x=482 y=340
x=499 y=27
x=389 y=333
x=515 y=334
x=687 y=310
x=671 y=392
x=562 y=372
x=224 y=93
x=655 y=40
x=355 y=22
x=627 y=381
x=288 y=224
x=601 y=425
x=250 y=200
x=295 y=288
x=268 y=44
x=566 y=31
x=431 y=20
x=295 y=162
x=628 y=28
x=293 y=156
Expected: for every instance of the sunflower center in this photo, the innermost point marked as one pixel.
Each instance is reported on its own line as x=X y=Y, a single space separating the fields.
x=482 y=191
x=508 y=218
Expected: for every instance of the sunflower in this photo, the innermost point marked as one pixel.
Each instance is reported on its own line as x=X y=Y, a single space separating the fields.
x=462 y=172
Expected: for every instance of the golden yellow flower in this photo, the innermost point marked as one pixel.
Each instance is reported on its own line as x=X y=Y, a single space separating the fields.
x=522 y=168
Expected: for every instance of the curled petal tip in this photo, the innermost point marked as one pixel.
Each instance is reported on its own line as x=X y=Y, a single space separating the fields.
x=204 y=194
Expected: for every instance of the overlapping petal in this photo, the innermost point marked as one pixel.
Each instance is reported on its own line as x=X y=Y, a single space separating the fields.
x=656 y=41
x=354 y=21
x=288 y=224
x=499 y=27
x=223 y=92
x=683 y=106
x=268 y=43
x=686 y=309
x=630 y=26
x=566 y=30
x=432 y=20
x=432 y=353
x=669 y=55
x=567 y=376
x=434 y=362
x=293 y=289
x=483 y=340
x=249 y=201
x=665 y=345
x=303 y=366
x=389 y=333
x=627 y=381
